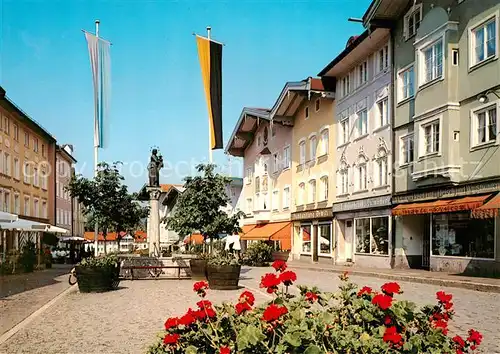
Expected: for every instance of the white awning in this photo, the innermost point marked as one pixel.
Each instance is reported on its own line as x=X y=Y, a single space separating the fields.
x=7 y=217
x=56 y=230
x=71 y=238
x=24 y=225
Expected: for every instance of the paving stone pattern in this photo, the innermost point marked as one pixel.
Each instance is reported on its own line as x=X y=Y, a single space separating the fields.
x=127 y=320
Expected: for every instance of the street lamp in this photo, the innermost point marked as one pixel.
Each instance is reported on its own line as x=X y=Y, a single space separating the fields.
x=483 y=97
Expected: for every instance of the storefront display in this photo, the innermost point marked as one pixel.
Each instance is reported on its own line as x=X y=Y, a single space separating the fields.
x=306 y=232
x=372 y=235
x=325 y=239
x=456 y=234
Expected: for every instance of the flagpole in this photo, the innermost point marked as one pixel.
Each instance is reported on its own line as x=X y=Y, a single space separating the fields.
x=209 y=29
x=96 y=156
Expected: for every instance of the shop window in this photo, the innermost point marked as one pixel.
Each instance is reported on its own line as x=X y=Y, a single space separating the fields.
x=372 y=235
x=325 y=239
x=306 y=233
x=456 y=234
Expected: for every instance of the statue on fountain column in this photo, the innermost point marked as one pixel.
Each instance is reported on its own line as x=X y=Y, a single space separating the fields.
x=154 y=166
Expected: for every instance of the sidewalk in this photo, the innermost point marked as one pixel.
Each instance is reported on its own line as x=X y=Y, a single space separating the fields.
x=410 y=275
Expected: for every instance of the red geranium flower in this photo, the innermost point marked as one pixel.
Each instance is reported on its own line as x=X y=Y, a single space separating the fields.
x=279 y=265
x=443 y=297
x=387 y=320
x=247 y=297
x=224 y=350
x=364 y=290
x=274 y=312
x=459 y=341
x=201 y=287
x=188 y=319
x=442 y=325
x=382 y=301
x=204 y=304
x=241 y=307
x=171 y=339
x=311 y=297
x=270 y=281
x=475 y=337
x=171 y=323
x=391 y=335
x=288 y=277
x=391 y=288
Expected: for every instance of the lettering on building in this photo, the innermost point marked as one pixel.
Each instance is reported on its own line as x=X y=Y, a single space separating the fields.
x=362 y=204
x=313 y=214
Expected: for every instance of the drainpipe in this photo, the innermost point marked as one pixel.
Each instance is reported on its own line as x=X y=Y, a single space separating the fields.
x=393 y=146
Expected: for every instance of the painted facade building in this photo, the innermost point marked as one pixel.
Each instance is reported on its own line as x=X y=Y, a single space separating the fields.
x=446 y=132
x=267 y=183
x=308 y=106
x=64 y=172
x=363 y=150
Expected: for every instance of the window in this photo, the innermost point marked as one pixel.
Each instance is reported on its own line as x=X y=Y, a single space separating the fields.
x=276 y=162
x=372 y=235
x=412 y=21
x=382 y=112
x=265 y=141
x=383 y=59
x=431 y=137
x=27 y=206
x=324 y=188
x=432 y=57
x=286 y=197
x=344 y=131
x=381 y=165
x=362 y=125
x=484 y=42
x=44 y=180
x=248 y=177
x=6 y=201
x=457 y=234
x=362 y=73
x=249 y=205
x=361 y=183
x=301 y=193
x=454 y=57
x=44 y=209
x=306 y=112
x=26 y=173
x=406 y=83
x=345 y=85
x=57 y=189
x=407 y=149
x=35 y=177
x=313 y=144
x=317 y=105
x=6 y=164
x=302 y=151
x=325 y=240
x=6 y=125
x=17 y=172
x=286 y=157
x=312 y=191
x=26 y=139
x=485 y=124
x=344 y=181
x=35 y=144
x=324 y=142
x=275 y=200
x=257 y=184
x=306 y=231
x=36 y=207
x=17 y=204
x=16 y=132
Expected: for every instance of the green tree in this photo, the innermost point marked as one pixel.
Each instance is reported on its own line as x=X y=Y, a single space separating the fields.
x=106 y=200
x=199 y=207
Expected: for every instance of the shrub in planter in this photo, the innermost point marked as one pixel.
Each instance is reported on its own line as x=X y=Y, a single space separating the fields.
x=223 y=271
x=350 y=321
x=98 y=274
x=198 y=266
x=258 y=254
x=27 y=259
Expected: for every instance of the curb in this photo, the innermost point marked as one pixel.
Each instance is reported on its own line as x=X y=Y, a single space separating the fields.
x=491 y=288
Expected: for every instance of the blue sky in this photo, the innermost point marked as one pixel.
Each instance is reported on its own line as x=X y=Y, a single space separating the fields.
x=157 y=93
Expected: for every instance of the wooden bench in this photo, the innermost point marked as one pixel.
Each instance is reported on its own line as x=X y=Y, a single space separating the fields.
x=178 y=267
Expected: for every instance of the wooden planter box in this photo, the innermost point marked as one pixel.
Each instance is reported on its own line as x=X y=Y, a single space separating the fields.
x=223 y=277
x=95 y=280
x=281 y=256
x=198 y=268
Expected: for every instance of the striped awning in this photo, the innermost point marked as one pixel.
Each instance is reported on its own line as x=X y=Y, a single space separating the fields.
x=441 y=206
x=488 y=210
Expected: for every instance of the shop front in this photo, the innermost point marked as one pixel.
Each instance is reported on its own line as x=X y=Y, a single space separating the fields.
x=277 y=234
x=451 y=230
x=313 y=239
x=363 y=230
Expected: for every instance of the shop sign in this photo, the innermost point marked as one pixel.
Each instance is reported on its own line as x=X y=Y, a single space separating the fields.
x=313 y=214
x=469 y=189
x=367 y=203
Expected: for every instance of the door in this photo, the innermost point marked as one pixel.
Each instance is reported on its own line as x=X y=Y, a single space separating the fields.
x=426 y=243
x=349 y=239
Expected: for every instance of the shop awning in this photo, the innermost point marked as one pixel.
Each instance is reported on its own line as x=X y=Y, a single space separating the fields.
x=56 y=230
x=441 y=206
x=194 y=239
x=246 y=229
x=274 y=231
x=488 y=210
x=7 y=217
x=24 y=225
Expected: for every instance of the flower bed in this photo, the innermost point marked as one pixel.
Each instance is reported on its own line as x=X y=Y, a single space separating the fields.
x=350 y=321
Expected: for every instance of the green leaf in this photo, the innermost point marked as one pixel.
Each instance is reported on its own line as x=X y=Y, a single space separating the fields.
x=191 y=350
x=312 y=349
x=248 y=337
x=293 y=338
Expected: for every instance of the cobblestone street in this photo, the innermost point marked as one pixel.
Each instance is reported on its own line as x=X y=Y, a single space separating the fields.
x=127 y=320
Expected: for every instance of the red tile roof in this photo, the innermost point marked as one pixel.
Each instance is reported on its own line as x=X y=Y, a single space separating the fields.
x=196 y=239
x=140 y=236
x=166 y=187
